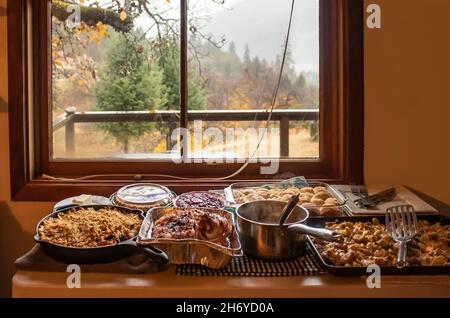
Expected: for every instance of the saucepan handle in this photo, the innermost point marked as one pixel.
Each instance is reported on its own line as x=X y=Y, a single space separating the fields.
x=322 y=234
x=153 y=253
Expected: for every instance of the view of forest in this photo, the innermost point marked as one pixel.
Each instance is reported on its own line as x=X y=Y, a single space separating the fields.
x=232 y=82
x=125 y=56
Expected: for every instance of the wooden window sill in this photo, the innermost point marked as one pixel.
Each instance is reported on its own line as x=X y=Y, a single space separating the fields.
x=49 y=190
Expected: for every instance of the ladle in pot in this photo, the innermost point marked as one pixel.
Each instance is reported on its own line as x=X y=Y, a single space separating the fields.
x=323 y=234
x=287 y=210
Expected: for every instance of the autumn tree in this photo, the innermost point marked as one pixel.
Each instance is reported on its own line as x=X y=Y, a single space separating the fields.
x=98 y=19
x=130 y=81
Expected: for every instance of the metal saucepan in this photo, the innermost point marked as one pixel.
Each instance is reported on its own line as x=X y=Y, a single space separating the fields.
x=261 y=235
x=97 y=255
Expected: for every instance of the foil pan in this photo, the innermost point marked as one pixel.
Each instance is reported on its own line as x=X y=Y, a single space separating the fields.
x=191 y=251
x=232 y=201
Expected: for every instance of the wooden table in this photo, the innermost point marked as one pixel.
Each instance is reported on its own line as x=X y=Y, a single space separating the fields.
x=168 y=284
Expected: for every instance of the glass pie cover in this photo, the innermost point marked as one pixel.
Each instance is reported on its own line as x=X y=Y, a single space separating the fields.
x=144 y=193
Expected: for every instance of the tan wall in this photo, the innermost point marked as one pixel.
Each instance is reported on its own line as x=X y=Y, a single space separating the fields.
x=407 y=85
x=17 y=219
x=407 y=114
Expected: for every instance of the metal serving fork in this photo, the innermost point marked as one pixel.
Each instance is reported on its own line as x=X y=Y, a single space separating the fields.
x=361 y=191
x=401 y=224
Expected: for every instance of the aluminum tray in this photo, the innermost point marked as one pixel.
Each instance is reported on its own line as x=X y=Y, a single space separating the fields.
x=191 y=251
x=388 y=270
x=231 y=202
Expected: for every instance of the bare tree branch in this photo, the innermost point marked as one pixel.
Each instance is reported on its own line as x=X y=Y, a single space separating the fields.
x=92 y=15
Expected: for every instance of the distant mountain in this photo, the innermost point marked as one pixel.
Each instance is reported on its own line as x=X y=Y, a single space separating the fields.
x=262 y=24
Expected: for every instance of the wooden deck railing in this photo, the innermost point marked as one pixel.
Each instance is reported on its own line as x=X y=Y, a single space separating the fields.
x=284 y=117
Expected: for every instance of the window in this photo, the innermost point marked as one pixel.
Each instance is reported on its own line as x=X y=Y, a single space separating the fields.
x=112 y=82
x=130 y=62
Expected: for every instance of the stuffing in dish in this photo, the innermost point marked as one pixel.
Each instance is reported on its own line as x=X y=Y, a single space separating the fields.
x=369 y=243
x=193 y=224
x=90 y=228
x=317 y=200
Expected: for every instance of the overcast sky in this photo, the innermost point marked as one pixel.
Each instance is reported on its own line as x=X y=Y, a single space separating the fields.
x=263 y=25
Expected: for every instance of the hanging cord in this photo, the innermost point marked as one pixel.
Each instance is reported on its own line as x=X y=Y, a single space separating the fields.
x=242 y=168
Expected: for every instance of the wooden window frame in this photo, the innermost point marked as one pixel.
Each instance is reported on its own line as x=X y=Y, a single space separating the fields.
x=341 y=99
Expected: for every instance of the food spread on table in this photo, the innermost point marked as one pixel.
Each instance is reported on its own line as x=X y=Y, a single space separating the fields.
x=368 y=243
x=198 y=227
x=89 y=227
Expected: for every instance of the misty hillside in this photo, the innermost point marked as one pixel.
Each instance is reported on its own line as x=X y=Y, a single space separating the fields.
x=262 y=24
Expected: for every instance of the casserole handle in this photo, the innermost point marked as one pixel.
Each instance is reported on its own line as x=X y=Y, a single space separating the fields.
x=322 y=234
x=153 y=253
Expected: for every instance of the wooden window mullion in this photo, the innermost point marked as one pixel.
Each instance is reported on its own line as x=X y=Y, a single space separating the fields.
x=183 y=71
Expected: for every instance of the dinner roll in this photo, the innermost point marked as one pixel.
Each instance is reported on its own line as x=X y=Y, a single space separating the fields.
x=331 y=202
x=307 y=190
x=317 y=201
x=321 y=195
x=320 y=189
x=328 y=210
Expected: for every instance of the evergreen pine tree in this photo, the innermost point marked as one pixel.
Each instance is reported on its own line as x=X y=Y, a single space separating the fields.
x=129 y=82
x=169 y=63
x=300 y=88
x=256 y=66
x=232 y=48
x=300 y=82
x=247 y=58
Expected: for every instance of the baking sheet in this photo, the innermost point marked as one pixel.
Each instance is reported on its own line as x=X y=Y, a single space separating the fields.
x=404 y=196
x=388 y=270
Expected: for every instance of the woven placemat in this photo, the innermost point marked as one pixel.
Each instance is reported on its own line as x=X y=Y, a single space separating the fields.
x=247 y=266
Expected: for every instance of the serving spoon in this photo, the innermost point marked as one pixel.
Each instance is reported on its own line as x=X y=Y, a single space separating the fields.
x=290 y=205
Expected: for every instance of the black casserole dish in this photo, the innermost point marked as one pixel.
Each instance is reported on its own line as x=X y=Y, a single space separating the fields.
x=100 y=254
